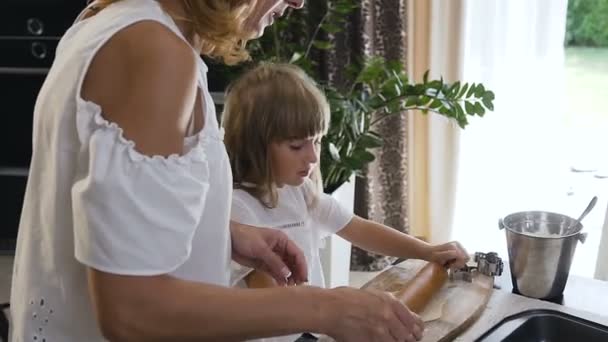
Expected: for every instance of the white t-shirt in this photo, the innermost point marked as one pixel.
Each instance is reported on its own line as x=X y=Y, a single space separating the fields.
x=306 y=225
x=93 y=200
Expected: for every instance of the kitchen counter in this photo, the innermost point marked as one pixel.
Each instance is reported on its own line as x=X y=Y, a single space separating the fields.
x=583 y=297
x=584 y=294
x=504 y=303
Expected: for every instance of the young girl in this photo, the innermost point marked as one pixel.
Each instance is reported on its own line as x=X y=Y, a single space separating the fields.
x=274 y=118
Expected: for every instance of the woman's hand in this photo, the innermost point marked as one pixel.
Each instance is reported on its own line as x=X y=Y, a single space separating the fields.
x=270 y=251
x=450 y=254
x=368 y=316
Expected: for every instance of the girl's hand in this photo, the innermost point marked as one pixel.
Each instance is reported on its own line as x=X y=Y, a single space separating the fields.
x=450 y=254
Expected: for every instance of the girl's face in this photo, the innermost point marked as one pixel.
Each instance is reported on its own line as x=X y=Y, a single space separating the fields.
x=293 y=160
x=265 y=12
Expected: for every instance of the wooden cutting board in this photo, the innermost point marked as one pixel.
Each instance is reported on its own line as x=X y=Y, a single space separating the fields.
x=460 y=303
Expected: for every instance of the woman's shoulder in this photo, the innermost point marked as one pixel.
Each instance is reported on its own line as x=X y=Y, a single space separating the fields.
x=152 y=52
x=149 y=41
x=144 y=79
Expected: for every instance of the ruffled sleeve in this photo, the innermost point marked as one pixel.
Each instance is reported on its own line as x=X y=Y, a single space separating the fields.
x=133 y=214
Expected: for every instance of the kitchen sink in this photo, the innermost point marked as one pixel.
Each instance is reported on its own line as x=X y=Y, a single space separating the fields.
x=545 y=326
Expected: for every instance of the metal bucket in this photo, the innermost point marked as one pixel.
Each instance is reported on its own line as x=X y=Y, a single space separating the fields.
x=541 y=246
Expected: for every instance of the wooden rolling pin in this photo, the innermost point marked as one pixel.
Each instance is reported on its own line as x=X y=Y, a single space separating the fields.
x=259 y=280
x=418 y=292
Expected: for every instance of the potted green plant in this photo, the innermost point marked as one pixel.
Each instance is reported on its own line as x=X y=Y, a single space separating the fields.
x=374 y=88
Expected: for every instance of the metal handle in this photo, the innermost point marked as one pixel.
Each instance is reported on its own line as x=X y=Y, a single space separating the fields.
x=501 y=224
x=582 y=237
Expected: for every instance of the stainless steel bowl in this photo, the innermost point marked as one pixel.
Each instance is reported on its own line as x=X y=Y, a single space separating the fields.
x=541 y=246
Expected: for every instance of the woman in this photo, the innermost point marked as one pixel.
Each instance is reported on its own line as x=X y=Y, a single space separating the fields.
x=125 y=230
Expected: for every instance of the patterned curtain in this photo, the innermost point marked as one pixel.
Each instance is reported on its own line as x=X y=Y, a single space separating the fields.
x=377 y=28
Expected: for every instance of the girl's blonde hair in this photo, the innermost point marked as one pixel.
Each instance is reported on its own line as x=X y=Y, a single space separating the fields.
x=218 y=23
x=269 y=103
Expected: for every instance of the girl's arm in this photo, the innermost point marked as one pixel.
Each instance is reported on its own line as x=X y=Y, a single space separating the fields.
x=378 y=238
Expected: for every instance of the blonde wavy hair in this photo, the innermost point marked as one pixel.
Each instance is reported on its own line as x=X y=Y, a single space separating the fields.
x=270 y=103
x=218 y=23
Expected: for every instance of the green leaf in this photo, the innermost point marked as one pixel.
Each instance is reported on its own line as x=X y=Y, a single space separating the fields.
x=488 y=104
x=432 y=92
x=353 y=164
x=469 y=107
x=448 y=104
x=370 y=141
x=344 y=8
x=471 y=90
x=479 y=109
x=488 y=99
x=322 y=45
x=460 y=114
x=371 y=71
x=333 y=151
x=364 y=156
x=453 y=90
x=425 y=100
x=295 y=57
x=393 y=107
x=400 y=79
x=412 y=101
x=489 y=94
x=331 y=28
x=480 y=90
x=362 y=106
x=425 y=78
x=435 y=104
x=436 y=85
x=463 y=90
x=355 y=128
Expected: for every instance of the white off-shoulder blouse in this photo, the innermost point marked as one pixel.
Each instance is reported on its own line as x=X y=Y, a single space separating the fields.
x=93 y=200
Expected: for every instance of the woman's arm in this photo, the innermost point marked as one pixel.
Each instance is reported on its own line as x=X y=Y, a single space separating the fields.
x=163 y=308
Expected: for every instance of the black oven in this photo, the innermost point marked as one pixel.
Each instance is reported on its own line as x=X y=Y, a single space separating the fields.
x=29 y=33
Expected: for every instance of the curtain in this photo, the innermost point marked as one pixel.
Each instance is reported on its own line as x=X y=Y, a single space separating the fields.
x=418 y=150
x=436 y=45
x=378 y=29
x=510 y=159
